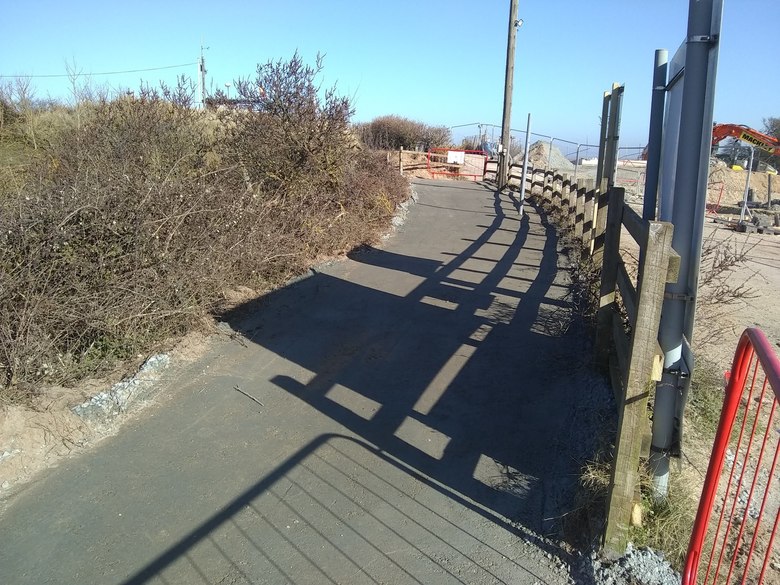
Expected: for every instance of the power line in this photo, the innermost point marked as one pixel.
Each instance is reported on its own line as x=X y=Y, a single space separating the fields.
x=105 y=72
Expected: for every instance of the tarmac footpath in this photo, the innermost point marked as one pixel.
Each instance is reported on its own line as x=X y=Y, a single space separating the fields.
x=412 y=414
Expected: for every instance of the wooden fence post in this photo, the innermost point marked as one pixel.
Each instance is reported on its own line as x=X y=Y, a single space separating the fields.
x=556 y=192
x=600 y=221
x=529 y=181
x=401 y=160
x=579 y=213
x=638 y=381
x=572 y=198
x=565 y=203
x=609 y=268
x=547 y=188
x=589 y=218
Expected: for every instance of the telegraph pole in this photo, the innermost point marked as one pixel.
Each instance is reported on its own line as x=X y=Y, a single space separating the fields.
x=202 y=78
x=503 y=160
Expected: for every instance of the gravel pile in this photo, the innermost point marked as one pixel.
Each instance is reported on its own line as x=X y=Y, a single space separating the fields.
x=642 y=566
x=108 y=405
x=540 y=155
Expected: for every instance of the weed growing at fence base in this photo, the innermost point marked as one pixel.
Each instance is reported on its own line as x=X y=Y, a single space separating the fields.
x=135 y=215
x=583 y=527
x=705 y=400
x=667 y=525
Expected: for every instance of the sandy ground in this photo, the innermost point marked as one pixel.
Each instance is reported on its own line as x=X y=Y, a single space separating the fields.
x=760 y=274
x=40 y=435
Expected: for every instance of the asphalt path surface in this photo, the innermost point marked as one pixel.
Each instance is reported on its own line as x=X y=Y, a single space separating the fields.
x=407 y=415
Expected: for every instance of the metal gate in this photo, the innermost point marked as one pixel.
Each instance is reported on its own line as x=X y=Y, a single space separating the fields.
x=452 y=162
x=733 y=538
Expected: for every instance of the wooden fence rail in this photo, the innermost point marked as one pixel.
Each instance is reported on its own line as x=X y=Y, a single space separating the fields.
x=628 y=317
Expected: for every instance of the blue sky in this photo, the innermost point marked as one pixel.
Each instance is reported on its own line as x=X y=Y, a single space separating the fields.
x=440 y=62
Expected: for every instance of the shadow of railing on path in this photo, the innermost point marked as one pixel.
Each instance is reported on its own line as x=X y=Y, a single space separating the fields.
x=315 y=476
x=450 y=383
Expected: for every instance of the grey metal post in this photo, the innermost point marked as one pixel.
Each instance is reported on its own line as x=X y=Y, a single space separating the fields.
x=603 y=138
x=525 y=163
x=576 y=163
x=549 y=154
x=503 y=161
x=743 y=211
x=613 y=134
x=692 y=168
x=656 y=133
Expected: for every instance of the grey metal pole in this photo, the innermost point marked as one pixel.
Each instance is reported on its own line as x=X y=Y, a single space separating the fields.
x=656 y=133
x=743 y=211
x=549 y=154
x=577 y=162
x=525 y=163
x=692 y=168
x=603 y=138
x=503 y=161
x=613 y=134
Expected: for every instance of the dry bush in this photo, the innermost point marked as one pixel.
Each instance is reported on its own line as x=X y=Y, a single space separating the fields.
x=295 y=135
x=723 y=285
x=99 y=245
x=393 y=132
x=137 y=218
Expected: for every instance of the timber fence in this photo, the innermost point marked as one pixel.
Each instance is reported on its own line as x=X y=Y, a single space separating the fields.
x=597 y=220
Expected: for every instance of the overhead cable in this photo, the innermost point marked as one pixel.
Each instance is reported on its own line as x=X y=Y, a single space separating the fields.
x=103 y=72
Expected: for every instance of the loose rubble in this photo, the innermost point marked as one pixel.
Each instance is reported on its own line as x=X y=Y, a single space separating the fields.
x=107 y=405
x=642 y=566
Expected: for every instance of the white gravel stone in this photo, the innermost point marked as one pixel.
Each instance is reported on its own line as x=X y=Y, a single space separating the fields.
x=642 y=566
x=107 y=405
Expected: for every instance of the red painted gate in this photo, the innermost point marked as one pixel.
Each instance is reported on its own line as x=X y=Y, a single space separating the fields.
x=733 y=538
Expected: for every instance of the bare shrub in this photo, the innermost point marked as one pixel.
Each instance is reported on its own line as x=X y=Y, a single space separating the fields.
x=137 y=218
x=392 y=132
x=294 y=133
x=95 y=252
x=721 y=287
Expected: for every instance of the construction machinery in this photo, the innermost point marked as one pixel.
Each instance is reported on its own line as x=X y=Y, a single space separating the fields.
x=738 y=155
x=741 y=157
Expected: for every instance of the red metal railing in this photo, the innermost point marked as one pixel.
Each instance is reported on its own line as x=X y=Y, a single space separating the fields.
x=712 y=187
x=734 y=533
x=472 y=165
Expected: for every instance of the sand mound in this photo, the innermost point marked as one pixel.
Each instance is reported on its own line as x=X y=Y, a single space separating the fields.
x=728 y=185
x=541 y=156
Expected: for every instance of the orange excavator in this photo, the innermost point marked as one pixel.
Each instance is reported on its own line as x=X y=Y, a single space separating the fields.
x=755 y=138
